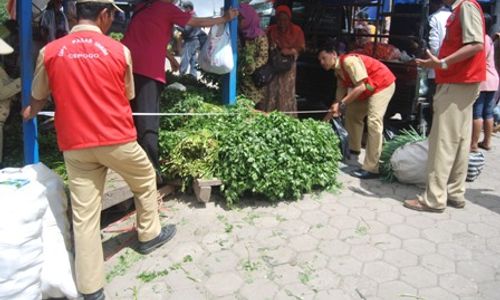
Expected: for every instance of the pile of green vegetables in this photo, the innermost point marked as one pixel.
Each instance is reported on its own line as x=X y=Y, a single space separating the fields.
x=270 y=155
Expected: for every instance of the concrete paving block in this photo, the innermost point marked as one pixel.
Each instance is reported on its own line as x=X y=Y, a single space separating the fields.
x=314 y=259
x=315 y=217
x=295 y=291
x=191 y=293
x=307 y=204
x=385 y=241
x=454 y=251
x=493 y=244
x=458 y=285
x=380 y=271
x=223 y=284
x=490 y=290
x=324 y=232
x=438 y=264
x=366 y=253
x=260 y=289
x=436 y=293
x=400 y=258
x=470 y=241
x=344 y=222
x=320 y=280
x=279 y=256
x=483 y=230
x=355 y=236
x=437 y=235
x=420 y=221
x=293 y=227
x=334 y=209
x=285 y=274
x=452 y=226
x=418 y=277
x=303 y=243
x=332 y=294
x=215 y=242
x=404 y=231
x=345 y=265
x=362 y=213
x=476 y=271
x=266 y=222
x=393 y=290
x=219 y=262
x=334 y=247
x=187 y=248
x=419 y=246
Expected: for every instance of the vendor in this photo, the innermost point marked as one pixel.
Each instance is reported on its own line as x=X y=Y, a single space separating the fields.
x=8 y=88
x=364 y=87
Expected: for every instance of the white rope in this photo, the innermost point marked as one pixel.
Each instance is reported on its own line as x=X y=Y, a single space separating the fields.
x=52 y=114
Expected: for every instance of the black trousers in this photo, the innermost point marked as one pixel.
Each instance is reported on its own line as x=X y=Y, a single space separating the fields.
x=147 y=100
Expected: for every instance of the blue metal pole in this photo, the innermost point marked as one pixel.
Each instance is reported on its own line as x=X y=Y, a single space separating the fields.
x=229 y=81
x=24 y=14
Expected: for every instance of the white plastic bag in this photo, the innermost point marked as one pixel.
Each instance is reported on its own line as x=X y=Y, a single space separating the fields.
x=409 y=163
x=216 y=55
x=22 y=206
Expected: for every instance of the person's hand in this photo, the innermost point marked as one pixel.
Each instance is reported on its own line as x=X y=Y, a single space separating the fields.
x=230 y=14
x=27 y=113
x=174 y=65
x=432 y=62
x=333 y=113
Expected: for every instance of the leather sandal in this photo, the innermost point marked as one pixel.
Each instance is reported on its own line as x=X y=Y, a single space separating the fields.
x=416 y=205
x=483 y=146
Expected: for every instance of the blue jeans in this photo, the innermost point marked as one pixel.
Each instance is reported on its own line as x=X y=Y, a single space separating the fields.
x=484 y=105
x=189 y=57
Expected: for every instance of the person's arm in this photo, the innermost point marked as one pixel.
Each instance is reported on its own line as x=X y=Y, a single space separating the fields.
x=174 y=64
x=129 y=75
x=208 y=22
x=339 y=94
x=40 y=89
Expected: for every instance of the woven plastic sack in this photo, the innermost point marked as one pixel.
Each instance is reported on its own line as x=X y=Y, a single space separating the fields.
x=216 y=55
x=476 y=165
x=409 y=163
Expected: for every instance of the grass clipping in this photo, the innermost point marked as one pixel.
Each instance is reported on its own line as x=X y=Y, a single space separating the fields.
x=406 y=136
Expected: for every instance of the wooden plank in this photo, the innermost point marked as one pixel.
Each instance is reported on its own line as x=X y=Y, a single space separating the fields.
x=208 y=182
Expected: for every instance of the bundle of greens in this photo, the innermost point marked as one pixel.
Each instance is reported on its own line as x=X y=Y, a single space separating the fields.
x=406 y=136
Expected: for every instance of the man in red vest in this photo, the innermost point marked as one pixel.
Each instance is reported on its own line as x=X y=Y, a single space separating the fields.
x=91 y=81
x=460 y=67
x=364 y=87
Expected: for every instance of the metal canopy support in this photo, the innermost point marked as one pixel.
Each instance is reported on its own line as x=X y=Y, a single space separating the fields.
x=229 y=81
x=24 y=15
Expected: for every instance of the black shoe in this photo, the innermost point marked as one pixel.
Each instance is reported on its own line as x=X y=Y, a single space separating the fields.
x=99 y=295
x=166 y=234
x=362 y=174
x=355 y=152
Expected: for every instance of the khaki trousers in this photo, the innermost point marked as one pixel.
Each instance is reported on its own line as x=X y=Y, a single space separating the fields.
x=87 y=170
x=449 y=144
x=374 y=109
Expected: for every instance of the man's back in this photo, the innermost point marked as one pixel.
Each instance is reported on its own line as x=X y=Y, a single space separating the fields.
x=87 y=73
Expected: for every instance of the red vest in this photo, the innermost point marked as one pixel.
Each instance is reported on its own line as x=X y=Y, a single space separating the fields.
x=379 y=75
x=471 y=70
x=86 y=73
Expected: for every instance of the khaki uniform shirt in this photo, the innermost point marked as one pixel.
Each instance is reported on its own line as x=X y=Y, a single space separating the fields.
x=355 y=68
x=471 y=21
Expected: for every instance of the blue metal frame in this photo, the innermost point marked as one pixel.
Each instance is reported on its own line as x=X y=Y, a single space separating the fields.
x=30 y=132
x=229 y=81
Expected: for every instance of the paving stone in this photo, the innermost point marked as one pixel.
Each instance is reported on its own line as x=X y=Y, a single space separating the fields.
x=394 y=289
x=376 y=227
x=352 y=202
x=332 y=294
x=307 y=204
x=286 y=211
x=420 y=221
x=215 y=242
x=404 y=231
x=182 y=250
x=184 y=278
x=247 y=249
x=314 y=258
x=400 y=258
x=345 y=265
x=355 y=236
x=465 y=216
x=419 y=246
x=266 y=222
x=418 y=277
x=437 y=235
x=295 y=291
x=380 y=271
x=260 y=289
x=279 y=256
x=323 y=279
x=285 y=274
x=490 y=290
x=334 y=209
x=470 y=241
x=334 y=247
x=222 y=261
x=494 y=244
x=458 y=285
x=223 y=284
x=359 y=285
x=476 y=271
x=362 y=213
x=344 y=222
x=366 y=253
x=293 y=227
x=303 y=243
x=325 y=232
x=315 y=217
x=454 y=251
x=452 y=226
x=438 y=263
x=403 y=211
x=483 y=230
x=378 y=206
x=491 y=219
x=436 y=293
x=191 y=294
x=244 y=231
x=385 y=241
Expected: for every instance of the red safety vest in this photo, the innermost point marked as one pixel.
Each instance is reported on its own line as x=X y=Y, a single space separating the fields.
x=86 y=73
x=379 y=75
x=471 y=70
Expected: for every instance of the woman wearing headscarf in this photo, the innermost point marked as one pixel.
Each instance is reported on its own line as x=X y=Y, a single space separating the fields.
x=253 y=51
x=288 y=38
